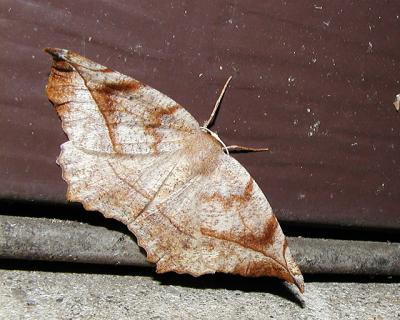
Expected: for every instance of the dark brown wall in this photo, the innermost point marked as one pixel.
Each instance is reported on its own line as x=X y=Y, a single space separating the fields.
x=314 y=82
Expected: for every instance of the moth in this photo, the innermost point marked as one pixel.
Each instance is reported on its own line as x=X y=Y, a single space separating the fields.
x=137 y=156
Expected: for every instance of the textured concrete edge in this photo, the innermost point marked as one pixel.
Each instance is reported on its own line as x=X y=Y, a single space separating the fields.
x=70 y=241
x=65 y=295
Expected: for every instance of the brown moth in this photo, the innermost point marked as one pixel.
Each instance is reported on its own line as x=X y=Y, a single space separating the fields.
x=139 y=157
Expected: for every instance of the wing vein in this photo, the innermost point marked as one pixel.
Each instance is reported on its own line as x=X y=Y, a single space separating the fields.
x=108 y=125
x=212 y=234
x=157 y=192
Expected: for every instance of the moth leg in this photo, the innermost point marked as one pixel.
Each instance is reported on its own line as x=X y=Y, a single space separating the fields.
x=210 y=121
x=235 y=148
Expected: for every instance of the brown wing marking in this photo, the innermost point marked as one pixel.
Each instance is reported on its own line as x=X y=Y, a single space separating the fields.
x=155 y=122
x=108 y=107
x=248 y=240
x=228 y=202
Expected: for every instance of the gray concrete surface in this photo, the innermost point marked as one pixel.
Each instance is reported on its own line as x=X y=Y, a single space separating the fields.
x=45 y=295
x=69 y=241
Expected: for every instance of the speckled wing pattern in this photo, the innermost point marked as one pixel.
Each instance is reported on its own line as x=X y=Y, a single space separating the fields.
x=137 y=156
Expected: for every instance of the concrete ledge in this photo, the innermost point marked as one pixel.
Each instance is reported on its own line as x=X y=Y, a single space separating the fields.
x=46 y=295
x=70 y=241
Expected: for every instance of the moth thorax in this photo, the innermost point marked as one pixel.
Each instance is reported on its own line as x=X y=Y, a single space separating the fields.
x=203 y=152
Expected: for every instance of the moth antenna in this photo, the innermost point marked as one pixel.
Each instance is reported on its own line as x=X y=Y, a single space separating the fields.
x=235 y=148
x=217 y=105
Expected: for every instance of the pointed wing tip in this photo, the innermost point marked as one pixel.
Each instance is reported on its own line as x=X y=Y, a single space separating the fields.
x=299 y=282
x=56 y=53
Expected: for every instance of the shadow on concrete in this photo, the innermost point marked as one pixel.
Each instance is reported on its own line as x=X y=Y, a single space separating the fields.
x=218 y=281
x=235 y=283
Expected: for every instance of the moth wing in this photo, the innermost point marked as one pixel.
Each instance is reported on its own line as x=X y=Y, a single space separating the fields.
x=118 y=186
x=220 y=222
x=125 y=137
x=106 y=111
